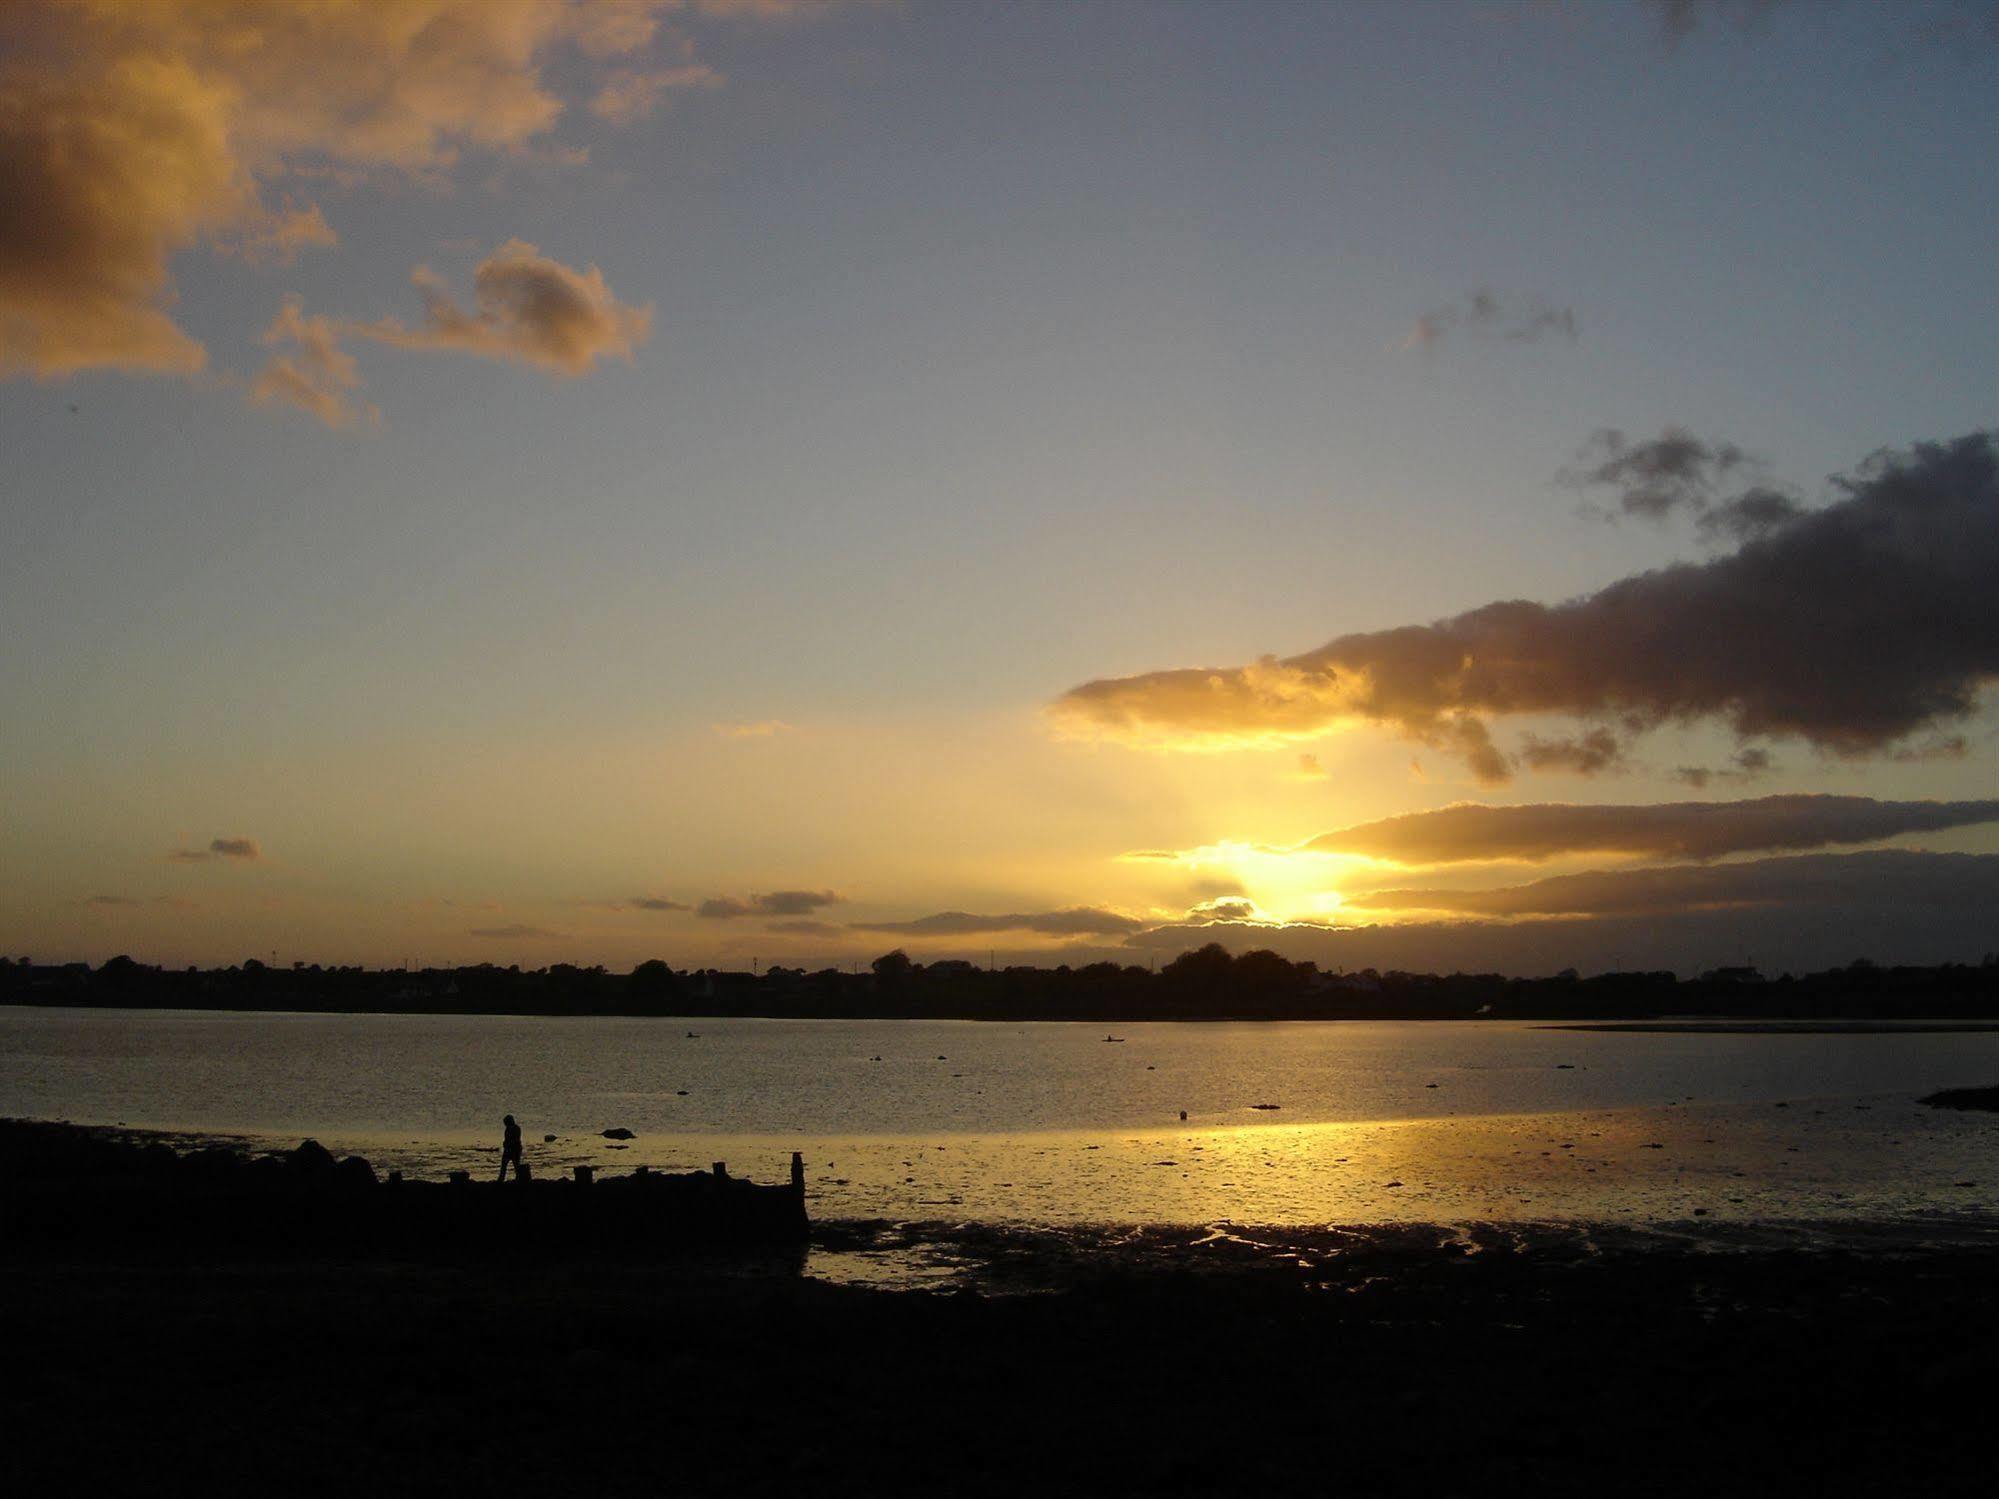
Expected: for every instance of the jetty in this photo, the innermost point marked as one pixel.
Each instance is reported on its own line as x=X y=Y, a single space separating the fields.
x=87 y=1193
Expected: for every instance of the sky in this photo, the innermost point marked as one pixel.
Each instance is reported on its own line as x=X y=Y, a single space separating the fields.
x=1489 y=486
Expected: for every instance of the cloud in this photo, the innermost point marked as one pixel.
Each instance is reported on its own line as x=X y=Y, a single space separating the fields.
x=111 y=900
x=1230 y=909
x=762 y=728
x=1309 y=769
x=1765 y=639
x=527 y=308
x=515 y=930
x=131 y=133
x=806 y=928
x=1539 y=831
x=1484 y=315
x=531 y=310
x=656 y=903
x=1808 y=912
x=1076 y=922
x=1746 y=764
x=1655 y=476
x=1807 y=879
x=317 y=376
x=1752 y=513
x=218 y=848
x=771 y=903
x=1586 y=754
x=1679 y=19
x=631 y=94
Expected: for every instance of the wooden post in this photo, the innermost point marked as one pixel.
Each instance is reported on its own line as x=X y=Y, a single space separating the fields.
x=797 y=1172
x=721 y=1172
x=585 y=1175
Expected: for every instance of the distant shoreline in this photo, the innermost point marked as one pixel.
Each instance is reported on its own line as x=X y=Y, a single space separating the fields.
x=1209 y=984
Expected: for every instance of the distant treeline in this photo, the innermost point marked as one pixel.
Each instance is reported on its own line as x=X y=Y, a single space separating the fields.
x=1207 y=984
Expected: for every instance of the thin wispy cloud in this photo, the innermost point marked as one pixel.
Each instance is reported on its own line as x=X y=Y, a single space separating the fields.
x=1591 y=753
x=1486 y=316
x=761 y=728
x=1079 y=921
x=770 y=903
x=1750 y=763
x=237 y=848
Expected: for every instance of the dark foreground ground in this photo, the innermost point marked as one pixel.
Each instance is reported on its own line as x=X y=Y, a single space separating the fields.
x=1390 y=1361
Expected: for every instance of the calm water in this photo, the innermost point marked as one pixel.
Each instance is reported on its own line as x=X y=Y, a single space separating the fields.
x=1052 y=1125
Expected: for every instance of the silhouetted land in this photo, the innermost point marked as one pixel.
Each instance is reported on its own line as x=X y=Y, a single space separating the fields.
x=1395 y=1361
x=1208 y=984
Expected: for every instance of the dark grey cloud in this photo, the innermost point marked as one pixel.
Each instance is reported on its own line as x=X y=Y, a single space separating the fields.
x=1224 y=910
x=1539 y=831
x=1655 y=476
x=514 y=930
x=1808 y=912
x=1080 y=921
x=656 y=903
x=771 y=903
x=1485 y=315
x=1747 y=764
x=218 y=848
x=1590 y=753
x=1853 y=627
x=1892 y=875
x=1754 y=512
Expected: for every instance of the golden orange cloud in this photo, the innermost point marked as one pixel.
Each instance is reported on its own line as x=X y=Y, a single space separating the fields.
x=527 y=308
x=132 y=132
x=317 y=376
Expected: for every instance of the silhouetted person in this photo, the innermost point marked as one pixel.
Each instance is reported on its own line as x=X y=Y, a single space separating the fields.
x=510 y=1149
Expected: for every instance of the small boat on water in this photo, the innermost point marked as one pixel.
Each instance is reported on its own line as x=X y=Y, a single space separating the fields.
x=1114 y=1040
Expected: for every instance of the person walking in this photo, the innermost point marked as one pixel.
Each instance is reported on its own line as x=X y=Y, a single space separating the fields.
x=510 y=1149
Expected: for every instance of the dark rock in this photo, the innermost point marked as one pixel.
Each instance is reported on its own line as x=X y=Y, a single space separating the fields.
x=1266 y=1106
x=311 y=1157
x=354 y=1171
x=548 y=1139
x=619 y=1133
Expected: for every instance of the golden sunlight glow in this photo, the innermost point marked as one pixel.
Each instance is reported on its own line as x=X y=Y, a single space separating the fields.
x=1285 y=884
